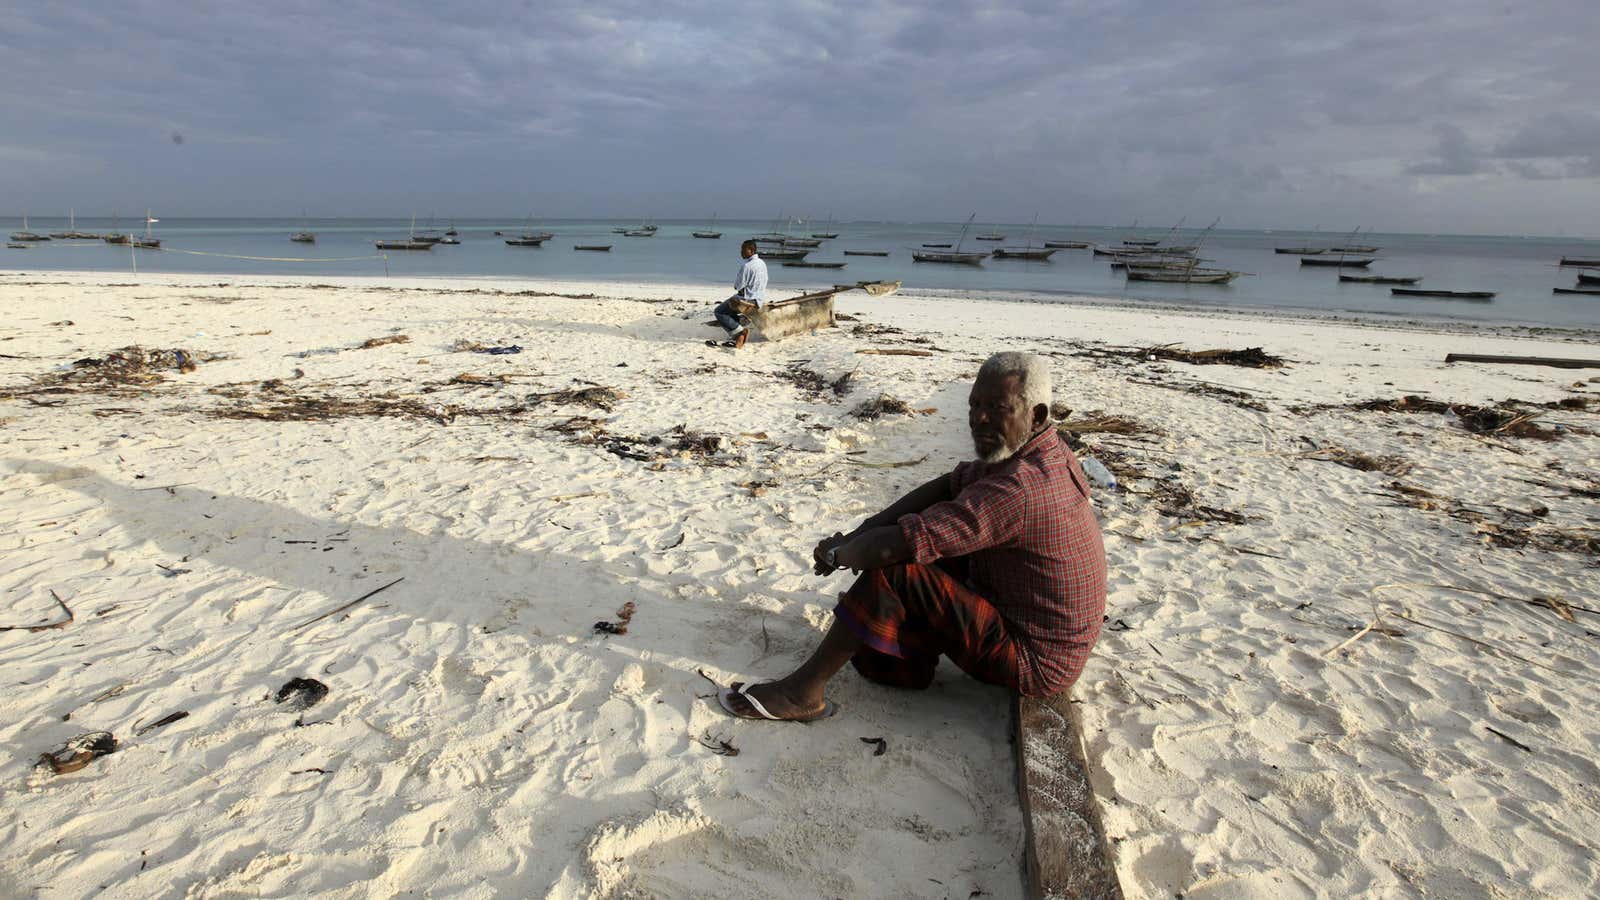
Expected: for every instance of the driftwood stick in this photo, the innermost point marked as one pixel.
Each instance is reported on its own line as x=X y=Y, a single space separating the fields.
x=1509 y=739
x=334 y=612
x=894 y=351
x=1524 y=360
x=48 y=625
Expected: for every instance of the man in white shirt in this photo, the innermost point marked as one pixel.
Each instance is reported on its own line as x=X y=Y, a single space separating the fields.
x=749 y=293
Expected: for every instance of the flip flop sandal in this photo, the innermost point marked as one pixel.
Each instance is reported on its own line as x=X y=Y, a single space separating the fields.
x=725 y=697
x=80 y=751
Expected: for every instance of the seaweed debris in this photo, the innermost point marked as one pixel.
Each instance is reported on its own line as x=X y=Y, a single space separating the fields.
x=1250 y=357
x=880 y=406
x=597 y=397
x=370 y=343
x=130 y=369
x=1508 y=418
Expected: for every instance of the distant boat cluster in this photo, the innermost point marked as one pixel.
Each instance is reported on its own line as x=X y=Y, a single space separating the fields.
x=1349 y=254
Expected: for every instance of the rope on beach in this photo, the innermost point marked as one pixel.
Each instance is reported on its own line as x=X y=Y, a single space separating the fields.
x=381 y=256
x=275 y=258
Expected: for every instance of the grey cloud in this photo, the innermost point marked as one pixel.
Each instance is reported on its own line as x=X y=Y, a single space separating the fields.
x=893 y=108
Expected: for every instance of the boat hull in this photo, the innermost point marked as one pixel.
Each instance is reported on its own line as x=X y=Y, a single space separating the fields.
x=1067 y=245
x=1037 y=255
x=1443 y=295
x=1335 y=262
x=1378 y=279
x=963 y=259
x=403 y=245
x=596 y=248
x=866 y=253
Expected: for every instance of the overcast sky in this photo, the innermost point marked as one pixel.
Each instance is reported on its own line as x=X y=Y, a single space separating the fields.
x=1426 y=115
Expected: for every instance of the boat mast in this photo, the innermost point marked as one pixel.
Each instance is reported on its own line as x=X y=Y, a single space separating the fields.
x=964 y=230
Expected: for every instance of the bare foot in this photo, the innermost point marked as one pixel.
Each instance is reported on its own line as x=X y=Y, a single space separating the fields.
x=777 y=701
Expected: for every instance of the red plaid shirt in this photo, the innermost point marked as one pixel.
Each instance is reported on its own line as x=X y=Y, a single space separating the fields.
x=1034 y=550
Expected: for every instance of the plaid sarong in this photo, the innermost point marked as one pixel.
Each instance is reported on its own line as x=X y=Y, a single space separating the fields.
x=907 y=615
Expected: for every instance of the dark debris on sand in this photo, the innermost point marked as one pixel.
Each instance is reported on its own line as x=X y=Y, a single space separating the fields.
x=128 y=370
x=1508 y=418
x=880 y=406
x=1250 y=357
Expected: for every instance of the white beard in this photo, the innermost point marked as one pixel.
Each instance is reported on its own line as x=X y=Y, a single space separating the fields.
x=998 y=456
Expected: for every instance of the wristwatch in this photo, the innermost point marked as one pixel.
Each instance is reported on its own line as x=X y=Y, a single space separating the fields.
x=831 y=557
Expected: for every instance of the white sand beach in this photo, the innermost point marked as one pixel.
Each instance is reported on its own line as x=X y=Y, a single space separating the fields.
x=480 y=738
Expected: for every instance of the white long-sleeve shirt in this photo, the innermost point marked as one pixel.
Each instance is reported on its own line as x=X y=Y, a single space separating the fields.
x=750 y=285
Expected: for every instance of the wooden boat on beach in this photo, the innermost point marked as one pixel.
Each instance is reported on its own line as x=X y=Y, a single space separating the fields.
x=1343 y=262
x=878 y=288
x=1579 y=290
x=1067 y=245
x=1040 y=255
x=802 y=264
x=1445 y=295
x=1379 y=279
x=1581 y=262
x=26 y=236
x=866 y=253
x=597 y=248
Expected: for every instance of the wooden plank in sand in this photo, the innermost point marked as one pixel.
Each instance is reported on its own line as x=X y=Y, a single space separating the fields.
x=1556 y=362
x=1066 y=845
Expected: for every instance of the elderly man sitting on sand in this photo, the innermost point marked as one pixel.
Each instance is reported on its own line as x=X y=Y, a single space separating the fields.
x=998 y=565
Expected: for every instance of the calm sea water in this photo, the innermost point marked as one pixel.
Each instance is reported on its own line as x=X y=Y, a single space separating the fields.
x=1521 y=269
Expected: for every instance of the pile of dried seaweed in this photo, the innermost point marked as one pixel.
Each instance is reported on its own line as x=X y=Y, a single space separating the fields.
x=814 y=384
x=1250 y=357
x=1361 y=462
x=1097 y=422
x=596 y=397
x=1508 y=418
x=130 y=369
x=880 y=406
x=371 y=343
x=308 y=408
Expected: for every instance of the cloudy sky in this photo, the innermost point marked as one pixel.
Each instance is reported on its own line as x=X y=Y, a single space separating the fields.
x=1428 y=115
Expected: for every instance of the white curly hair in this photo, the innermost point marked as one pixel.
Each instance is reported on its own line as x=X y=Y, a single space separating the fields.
x=1033 y=374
